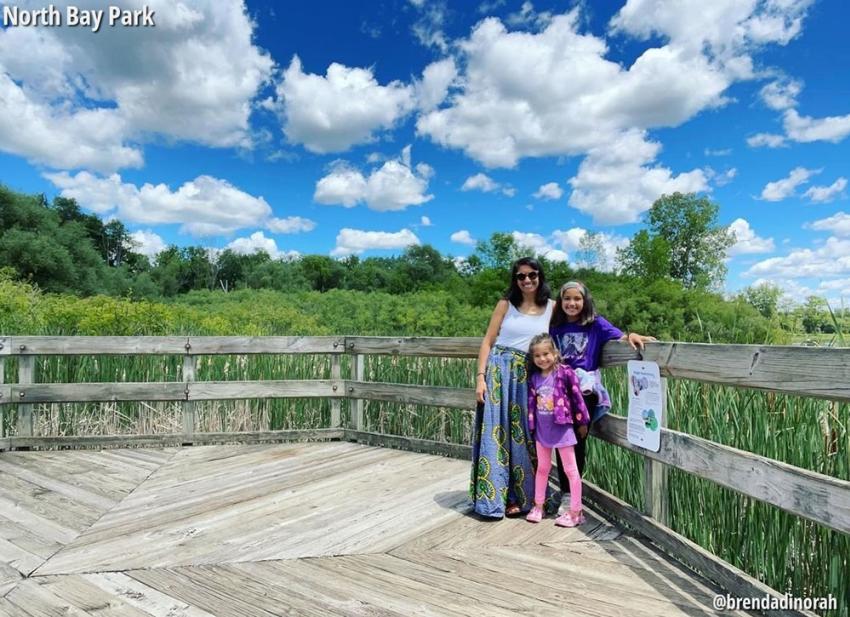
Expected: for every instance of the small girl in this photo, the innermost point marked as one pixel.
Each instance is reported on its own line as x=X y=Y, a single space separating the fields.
x=580 y=334
x=555 y=404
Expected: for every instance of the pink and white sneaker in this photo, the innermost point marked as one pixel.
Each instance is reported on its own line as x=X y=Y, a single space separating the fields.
x=535 y=515
x=570 y=519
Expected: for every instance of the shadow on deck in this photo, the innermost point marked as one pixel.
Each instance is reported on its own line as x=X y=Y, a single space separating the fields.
x=301 y=529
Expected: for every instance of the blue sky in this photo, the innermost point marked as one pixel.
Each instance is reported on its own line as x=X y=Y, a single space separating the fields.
x=344 y=128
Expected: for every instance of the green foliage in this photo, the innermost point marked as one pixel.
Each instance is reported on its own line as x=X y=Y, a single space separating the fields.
x=683 y=241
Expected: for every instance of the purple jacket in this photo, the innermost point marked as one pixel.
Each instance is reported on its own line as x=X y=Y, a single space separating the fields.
x=569 y=403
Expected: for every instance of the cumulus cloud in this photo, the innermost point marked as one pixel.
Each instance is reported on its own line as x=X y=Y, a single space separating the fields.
x=480 y=182
x=539 y=245
x=290 y=225
x=257 y=242
x=830 y=259
x=781 y=94
x=746 y=240
x=806 y=129
x=147 y=243
x=597 y=250
x=782 y=189
x=346 y=106
x=766 y=140
x=355 y=241
x=838 y=223
x=616 y=183
x=75 y=101
x=826 y=193
x=431 y=90
x=205 y=206
x=463 y=237
x=425 y=221
x=393 y=186
x=553 y=93
x=550 y=190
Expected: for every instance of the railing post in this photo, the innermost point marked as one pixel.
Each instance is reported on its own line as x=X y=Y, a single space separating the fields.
x=26 y=375
x=655 y=495
x=358 y=364
x=2 y=406
x=190 y=363
x=336 y=375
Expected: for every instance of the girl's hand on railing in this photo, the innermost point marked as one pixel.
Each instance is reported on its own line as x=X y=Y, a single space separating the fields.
x=480 y=388
x=637 y=340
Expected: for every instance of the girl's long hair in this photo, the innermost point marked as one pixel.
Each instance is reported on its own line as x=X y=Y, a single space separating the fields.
x=588 y=311
x=514 y=293
x=543 y=337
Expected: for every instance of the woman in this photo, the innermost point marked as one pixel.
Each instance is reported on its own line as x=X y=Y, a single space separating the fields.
x=502 y=482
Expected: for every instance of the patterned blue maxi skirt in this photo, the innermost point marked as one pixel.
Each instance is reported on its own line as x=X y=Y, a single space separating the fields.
x=503 y=453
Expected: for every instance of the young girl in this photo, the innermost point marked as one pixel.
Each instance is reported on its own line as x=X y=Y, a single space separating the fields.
x=579 y=335
x=555 y=405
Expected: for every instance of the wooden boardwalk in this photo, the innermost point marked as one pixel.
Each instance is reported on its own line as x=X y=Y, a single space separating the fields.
x=301 y=529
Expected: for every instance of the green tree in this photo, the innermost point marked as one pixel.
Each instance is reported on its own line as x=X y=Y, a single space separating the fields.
x=764 y=297
x=684 y=225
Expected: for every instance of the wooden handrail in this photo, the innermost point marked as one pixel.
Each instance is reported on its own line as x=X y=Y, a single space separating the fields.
x=823 y=373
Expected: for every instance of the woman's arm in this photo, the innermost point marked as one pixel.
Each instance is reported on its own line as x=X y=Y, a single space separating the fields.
x=486 y=344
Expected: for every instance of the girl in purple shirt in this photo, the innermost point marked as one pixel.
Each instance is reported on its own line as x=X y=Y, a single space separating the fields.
x=555 y=405
x=579 y=335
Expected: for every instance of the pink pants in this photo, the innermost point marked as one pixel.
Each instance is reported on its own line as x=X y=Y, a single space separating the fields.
x=541 y=477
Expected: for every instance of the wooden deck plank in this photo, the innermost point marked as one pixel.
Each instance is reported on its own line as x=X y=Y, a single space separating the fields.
x=313 y=529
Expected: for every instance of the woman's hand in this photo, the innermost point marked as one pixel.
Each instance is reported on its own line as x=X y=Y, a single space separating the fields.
x=480 y=388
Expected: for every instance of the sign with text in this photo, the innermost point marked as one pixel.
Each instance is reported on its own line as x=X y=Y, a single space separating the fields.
x=645 y=407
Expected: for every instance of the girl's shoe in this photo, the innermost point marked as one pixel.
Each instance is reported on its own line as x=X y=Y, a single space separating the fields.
x=535 y=515
x=570 y=519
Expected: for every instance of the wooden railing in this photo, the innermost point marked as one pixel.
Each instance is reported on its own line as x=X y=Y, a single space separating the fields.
x=813 y=372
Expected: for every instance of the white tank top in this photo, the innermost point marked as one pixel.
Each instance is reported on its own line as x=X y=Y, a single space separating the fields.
x=518 y=328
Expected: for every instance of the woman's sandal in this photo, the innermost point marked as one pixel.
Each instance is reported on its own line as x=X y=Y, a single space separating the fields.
x=512 y=510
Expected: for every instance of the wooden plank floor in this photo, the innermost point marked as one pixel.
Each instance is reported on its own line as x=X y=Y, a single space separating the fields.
x=301 y=529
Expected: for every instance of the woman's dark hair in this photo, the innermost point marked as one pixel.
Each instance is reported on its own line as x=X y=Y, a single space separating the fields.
x=543 y=337
x=514 y=293
x=588 y=311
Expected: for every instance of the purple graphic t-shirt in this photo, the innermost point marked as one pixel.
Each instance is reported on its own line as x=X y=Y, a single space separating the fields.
x=581 y=346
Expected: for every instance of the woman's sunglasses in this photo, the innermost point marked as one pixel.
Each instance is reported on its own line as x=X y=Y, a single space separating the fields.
x=521 y=276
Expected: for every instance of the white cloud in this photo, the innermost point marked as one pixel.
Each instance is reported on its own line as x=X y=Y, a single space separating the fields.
x=74 y=101
x=428 y=28
x=355 y=241
x=480 y=182
x=147 y=243
x=724 y=178
x=826 y=193
x=782 y=189
x=768 y=140
x=746 y=240
x=718 y=152
x=601 y=253
x=838 y=223
x=781 y=94
x=346 y=106
x=436 y=79
x=205 y=206
x=463 y=237
x=830 y=259
x=553 y=93
x=257 y=242
x=550 y=190
x=806 y=129
x=615 y=183
x=538 y=245
x=290 y=225
x=425 y=221
x=393 y=186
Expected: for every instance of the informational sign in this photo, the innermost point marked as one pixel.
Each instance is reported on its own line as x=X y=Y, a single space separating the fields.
x=645 y=407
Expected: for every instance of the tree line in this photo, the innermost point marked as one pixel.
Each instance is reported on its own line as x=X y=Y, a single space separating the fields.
x=667 y=281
